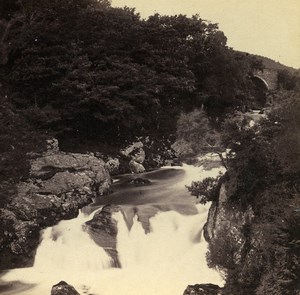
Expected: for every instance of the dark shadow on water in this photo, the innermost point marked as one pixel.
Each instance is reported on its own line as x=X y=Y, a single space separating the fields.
x=160 y=195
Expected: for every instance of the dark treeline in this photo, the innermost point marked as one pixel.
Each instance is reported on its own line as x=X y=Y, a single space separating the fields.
x=81 y=68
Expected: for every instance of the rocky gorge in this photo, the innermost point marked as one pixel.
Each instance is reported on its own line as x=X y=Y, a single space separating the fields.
x=59 y=185
x=56 y=173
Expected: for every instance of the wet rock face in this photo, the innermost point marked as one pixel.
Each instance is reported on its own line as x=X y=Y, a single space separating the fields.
x=61 y=172
x=203 y=289
x=103 y=229
x=62 y=288
x=59 y=185
x=136 y=167
x=227 y=219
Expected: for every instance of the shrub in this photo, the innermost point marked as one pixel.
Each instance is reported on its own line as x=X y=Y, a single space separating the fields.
x=206 y=190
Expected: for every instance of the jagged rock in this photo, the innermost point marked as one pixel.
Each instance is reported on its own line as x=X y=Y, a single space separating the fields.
x=226 y=219
x=52 y=146
x=140 y=181
x=103 y=229
x=137 y=155
x=136 y=167
x=48 y=166
x=112 y=165
x=59 y=185
x=131 y=149
x=152 y=153
x=62 y=288
x=203 y=289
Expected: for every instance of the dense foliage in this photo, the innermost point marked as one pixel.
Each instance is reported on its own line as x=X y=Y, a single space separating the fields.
x=84 y=69
x=18 y=144
x=264 y=175
x=196 y=129
x=206 y=190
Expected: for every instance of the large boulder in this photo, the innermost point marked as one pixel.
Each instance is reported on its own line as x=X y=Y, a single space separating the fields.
x=63 y=171
x=203 y=289
x=135 y=151
x=139 y=181
x=136 y=156
x=136 y=167
x=59 y=185
x=150 y=153
x=103 y=230
x=62 y=288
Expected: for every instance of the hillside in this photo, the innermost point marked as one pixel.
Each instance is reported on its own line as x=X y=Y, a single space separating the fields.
x=275 y=65
x=271 y=64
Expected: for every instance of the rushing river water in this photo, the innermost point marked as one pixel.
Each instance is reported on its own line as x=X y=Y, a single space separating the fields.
x=159 y=242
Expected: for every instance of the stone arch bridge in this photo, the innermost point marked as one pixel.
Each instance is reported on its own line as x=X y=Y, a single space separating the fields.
x=266 y=83
x=268 y=77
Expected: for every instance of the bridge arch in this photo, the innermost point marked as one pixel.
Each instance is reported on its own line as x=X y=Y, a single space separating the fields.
x=260 y=82
x=261 y=91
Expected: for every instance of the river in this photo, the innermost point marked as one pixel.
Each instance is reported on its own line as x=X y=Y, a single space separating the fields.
x=159 y=242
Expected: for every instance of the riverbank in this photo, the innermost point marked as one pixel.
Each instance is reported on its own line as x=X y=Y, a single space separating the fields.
x=160 y=224
x=58 y=186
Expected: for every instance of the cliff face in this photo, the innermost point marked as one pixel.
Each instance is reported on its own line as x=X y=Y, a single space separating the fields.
x=225 y=218
x=234 y=240
x=240 y=244
x=59 y=185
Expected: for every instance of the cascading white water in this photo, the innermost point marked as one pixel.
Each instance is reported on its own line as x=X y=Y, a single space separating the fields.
x=163 y=261
x=69 y=247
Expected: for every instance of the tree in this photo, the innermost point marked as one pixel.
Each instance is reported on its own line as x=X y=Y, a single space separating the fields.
x=206 y=190
x=18 y=144
x=262 y=175
x=196 y=128
x=286 y=80
x=85 y=66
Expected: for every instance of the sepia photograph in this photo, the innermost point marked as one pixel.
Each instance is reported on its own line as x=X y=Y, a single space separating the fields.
x=149 y=148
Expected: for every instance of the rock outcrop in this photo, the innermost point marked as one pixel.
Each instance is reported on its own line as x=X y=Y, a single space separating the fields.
x=112 y=166
x=136 y=154
x=103 y=229
x=203 y=289
x=147 y=153
x=226 y=219
x=59 y=185
x=136 y=167
x=62 y=288
x=140 y=181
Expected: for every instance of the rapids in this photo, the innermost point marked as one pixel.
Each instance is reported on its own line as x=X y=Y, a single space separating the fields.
x=159 y=243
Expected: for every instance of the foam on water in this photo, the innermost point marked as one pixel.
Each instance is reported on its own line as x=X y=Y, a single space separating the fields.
x=163 y=261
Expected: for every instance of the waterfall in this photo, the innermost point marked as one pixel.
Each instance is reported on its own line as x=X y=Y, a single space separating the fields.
x=163 y=261
x=67 y=247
